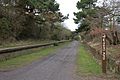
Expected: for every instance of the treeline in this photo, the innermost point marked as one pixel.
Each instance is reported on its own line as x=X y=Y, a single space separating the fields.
x=31 y=19
x=94 y=19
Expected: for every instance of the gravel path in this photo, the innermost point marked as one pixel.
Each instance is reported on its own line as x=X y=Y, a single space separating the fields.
x=60 y=66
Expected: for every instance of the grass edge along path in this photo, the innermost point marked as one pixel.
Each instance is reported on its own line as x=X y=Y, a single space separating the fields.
x=86 y=64
x=29 y=58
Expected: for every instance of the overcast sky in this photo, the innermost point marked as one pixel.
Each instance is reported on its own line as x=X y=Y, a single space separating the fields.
x=68 y=7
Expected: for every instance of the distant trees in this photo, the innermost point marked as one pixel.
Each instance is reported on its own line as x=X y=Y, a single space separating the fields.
x=34 y=19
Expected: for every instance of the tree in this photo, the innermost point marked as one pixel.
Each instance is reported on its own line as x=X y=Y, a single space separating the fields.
x=86 y=14
x=113 y=7
x=34 y=19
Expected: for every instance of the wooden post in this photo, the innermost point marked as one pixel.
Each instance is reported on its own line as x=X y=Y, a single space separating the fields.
x=104 y=53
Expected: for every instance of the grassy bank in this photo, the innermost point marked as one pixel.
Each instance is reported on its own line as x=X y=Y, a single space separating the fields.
x=28 y=58
x=86 y=64
x=23 y=43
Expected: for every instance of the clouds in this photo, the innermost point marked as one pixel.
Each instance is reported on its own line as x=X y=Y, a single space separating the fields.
x=99 y=3
x=68 y=7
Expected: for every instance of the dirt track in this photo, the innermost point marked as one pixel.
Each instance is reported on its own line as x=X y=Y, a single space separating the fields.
x=59 y=66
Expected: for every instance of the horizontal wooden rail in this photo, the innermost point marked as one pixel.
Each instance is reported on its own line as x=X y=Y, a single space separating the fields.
x=113 y=65
x=14 y=49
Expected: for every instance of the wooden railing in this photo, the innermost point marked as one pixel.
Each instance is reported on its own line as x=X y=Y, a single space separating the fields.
x=14 y=49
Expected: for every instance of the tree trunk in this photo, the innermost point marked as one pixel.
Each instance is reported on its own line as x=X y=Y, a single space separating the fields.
x=115 y=38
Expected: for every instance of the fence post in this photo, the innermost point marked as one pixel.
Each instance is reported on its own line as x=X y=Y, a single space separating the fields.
x=104 y=65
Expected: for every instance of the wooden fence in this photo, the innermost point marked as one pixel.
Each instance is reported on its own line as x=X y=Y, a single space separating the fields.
x=7 y=53
x=113 y=65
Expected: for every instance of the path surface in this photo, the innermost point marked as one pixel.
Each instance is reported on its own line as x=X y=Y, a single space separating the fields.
x=56 y=67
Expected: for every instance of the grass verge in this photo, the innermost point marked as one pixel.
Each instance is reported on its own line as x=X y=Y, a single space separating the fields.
x=28 y=58
x=86 y=64
x=23 y=43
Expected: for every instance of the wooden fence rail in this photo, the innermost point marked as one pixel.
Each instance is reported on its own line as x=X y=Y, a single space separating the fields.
x=14 y=49
x=113 y=65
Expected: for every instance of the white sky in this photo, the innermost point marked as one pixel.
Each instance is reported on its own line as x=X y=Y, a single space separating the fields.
x=68 y=7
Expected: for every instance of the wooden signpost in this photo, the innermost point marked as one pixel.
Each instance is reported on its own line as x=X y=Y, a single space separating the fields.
x=104 y=53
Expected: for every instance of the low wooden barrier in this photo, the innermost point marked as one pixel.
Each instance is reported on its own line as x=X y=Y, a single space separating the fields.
x=113 y=65
x=14 y=49
x=7 y=53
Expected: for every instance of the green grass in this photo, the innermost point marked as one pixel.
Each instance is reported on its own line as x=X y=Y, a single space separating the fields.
x=28 y=58
x=86 y=64
x=23 y=43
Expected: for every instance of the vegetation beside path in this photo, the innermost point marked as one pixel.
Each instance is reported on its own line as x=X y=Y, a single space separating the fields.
x=87 y=67
x=23 y=43
x=86 y=64
x=28 y=58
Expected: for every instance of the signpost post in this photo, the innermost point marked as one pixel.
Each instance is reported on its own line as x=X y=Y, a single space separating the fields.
x=104 y=53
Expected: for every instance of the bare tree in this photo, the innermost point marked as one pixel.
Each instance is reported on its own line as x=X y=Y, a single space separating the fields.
x=113 y=7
